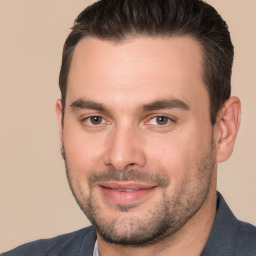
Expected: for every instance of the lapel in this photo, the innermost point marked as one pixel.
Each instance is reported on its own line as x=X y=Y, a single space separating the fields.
x=222 y=239
x=88 y=243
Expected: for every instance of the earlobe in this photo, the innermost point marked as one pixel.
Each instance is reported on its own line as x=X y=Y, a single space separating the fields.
x=59 y=112
x=228 y=122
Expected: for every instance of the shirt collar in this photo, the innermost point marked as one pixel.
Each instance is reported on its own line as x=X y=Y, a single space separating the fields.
x=96 y=249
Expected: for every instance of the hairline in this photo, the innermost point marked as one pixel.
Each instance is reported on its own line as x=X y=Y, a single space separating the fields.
x=132 y=36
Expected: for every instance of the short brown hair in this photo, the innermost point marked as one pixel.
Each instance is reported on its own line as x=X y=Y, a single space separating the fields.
x=116 y=20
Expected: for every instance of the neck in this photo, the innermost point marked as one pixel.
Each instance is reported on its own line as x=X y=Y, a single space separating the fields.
x=187 y=241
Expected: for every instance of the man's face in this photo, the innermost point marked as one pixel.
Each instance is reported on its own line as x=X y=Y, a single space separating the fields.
x=138 y=141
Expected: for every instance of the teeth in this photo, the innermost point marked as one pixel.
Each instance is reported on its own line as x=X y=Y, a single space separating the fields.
x=124 y=190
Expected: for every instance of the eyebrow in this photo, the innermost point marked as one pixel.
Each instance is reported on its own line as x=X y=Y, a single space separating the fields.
x=152 y=106
x=166 y=104
x=87 y=104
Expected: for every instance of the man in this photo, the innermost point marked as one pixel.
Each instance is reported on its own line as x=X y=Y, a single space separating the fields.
x=145 y=115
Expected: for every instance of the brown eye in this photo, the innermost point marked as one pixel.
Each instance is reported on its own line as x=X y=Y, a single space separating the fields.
x=160 y=120
x=94 y=120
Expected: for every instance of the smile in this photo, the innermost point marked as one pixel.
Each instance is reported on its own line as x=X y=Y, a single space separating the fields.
x=126 y=193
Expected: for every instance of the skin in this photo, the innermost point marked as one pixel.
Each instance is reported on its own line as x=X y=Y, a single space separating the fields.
x=171 y=159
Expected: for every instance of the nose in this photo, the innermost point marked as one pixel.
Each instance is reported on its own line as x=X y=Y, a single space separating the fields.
x=125 y=149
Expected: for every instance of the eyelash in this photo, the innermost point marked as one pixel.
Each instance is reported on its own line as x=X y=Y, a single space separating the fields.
x=89 y=122
x=169 y=120
x=90 y=118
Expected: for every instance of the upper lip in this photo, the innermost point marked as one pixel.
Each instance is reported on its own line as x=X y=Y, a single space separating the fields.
x=126 y=185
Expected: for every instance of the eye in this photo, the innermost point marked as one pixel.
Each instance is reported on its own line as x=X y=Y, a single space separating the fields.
x=159 y=120
x=95 y=120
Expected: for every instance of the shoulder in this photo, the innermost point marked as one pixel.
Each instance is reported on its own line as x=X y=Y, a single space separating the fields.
x=229 y=236
x=246 y=239
x=63 y=245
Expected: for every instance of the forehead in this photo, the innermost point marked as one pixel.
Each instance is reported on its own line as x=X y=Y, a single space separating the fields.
x=136 y=69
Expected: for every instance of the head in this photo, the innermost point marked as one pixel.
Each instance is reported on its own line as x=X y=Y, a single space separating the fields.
x=145 y=87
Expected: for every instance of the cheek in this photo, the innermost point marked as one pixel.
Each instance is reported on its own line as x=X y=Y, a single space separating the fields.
x=83 y=151
x=177 y=154
x=169 y=151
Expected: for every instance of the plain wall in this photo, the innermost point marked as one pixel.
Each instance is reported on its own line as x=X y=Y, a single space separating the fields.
x=35 y=200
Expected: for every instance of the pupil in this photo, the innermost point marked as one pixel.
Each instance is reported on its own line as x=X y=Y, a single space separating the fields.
x=162 y=120
x=96 y=119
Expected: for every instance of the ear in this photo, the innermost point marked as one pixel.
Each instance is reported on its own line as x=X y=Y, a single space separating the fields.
x=228 y=121
x=59 y=112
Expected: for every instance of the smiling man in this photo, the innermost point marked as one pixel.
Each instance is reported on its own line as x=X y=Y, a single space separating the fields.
x=145 y=115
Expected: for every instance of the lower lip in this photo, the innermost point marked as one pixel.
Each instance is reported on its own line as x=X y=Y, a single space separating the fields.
x=124 y=197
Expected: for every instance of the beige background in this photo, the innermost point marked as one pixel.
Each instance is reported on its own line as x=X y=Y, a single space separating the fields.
x=35 y=201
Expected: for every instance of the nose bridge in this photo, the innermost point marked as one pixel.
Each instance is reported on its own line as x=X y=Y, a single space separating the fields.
x=125 y=148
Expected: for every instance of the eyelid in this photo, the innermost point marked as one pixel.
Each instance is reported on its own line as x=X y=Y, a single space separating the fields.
x=85 y=118
x=171 y=121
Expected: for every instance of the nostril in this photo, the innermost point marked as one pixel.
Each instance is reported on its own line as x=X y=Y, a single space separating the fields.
x=129 y=166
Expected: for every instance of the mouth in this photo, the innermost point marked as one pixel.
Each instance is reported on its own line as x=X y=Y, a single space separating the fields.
x=125 y=193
